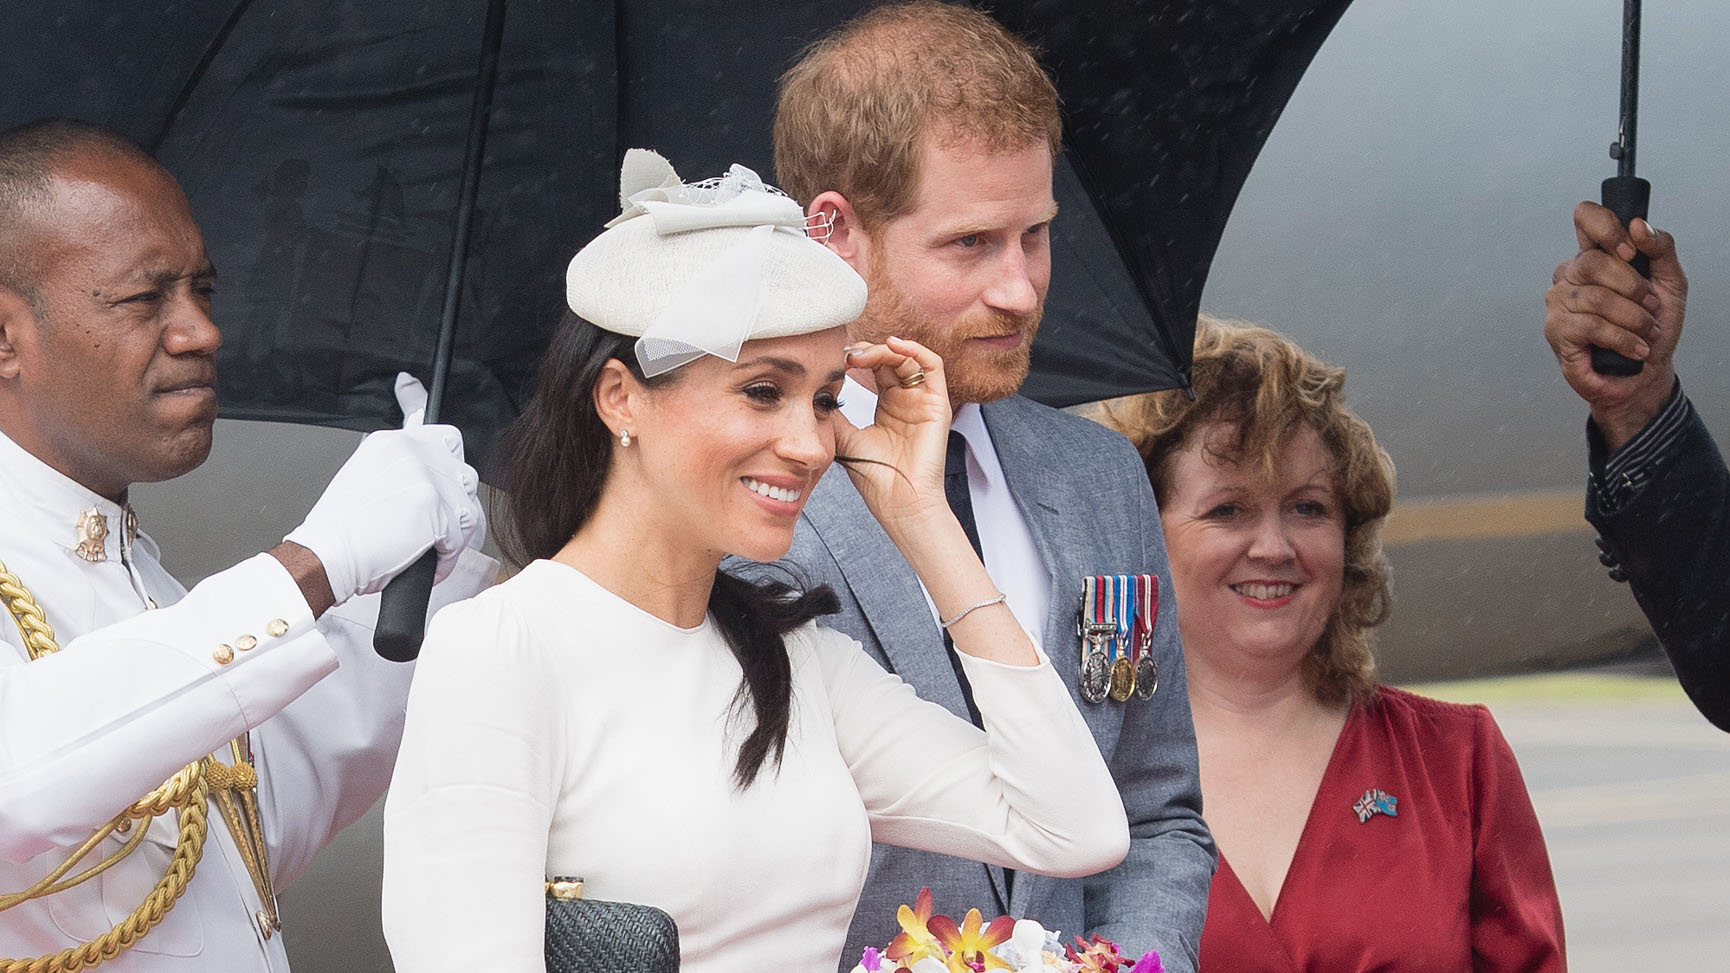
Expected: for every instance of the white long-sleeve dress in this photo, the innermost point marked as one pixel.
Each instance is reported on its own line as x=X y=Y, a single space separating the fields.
x=556 y=729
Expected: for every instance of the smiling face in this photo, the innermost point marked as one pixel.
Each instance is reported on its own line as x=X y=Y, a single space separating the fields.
x=1258 y=564
x=728 y=453
x=965 y=271
x=116 y=382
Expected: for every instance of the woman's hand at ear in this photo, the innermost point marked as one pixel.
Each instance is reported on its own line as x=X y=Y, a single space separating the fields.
x=897 y=462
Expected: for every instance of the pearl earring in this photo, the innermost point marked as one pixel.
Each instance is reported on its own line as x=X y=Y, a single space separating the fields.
x=625 y=438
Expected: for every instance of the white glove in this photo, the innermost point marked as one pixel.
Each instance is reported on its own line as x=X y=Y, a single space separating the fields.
x=402 y=491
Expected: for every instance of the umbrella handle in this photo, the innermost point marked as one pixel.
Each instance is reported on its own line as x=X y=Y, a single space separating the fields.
x=1627 y=197
x=402 y=610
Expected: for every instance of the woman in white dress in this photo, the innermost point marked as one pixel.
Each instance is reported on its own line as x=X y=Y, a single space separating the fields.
x=623 y=711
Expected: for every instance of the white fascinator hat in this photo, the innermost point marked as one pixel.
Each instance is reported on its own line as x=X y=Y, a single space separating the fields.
x=693 y=269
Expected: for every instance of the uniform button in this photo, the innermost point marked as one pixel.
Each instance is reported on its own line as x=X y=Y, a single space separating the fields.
x=1606 y=560
x=1617 y=574
x=245 y=643
x=265 y=926
x=276 y=629
x=223 y=655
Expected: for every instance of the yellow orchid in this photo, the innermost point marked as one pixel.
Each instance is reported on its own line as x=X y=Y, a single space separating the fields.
x=969 y=944
x=915 y=941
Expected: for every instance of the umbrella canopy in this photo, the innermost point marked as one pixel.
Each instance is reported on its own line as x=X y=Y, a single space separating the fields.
x=321 y=145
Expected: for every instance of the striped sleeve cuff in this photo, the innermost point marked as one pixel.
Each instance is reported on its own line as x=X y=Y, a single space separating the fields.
x=1619 y=477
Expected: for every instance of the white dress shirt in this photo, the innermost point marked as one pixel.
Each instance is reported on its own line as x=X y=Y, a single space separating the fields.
x=136 y=694
x=1011 y=557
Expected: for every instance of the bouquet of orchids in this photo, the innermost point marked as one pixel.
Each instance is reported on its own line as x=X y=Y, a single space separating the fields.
x=935 y=944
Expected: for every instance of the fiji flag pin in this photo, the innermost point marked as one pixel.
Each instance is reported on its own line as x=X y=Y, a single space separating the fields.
x=1374 y=802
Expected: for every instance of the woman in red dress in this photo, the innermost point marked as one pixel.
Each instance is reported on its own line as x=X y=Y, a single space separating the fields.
x=1360 y=827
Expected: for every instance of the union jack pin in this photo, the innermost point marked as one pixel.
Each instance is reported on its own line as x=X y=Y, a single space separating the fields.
x=1375 y=802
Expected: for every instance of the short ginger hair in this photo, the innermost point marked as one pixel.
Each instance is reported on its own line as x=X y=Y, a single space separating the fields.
x=853 y=114
x=1265 y=387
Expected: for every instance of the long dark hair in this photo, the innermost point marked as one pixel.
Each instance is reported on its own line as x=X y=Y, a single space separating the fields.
x=553 y=463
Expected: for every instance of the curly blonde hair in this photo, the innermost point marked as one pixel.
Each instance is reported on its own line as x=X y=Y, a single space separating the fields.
x=1266 y=388
x=854 y=113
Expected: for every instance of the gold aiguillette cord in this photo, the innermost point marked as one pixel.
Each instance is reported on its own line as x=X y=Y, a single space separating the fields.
x=235 y=788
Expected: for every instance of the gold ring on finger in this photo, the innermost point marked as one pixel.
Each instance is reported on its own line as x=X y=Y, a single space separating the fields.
x=914 y=380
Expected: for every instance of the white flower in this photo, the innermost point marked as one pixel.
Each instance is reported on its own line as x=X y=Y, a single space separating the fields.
x=1032 y=949
x=1028 y=937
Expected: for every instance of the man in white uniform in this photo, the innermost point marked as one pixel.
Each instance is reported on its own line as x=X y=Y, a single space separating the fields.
x=107 y=372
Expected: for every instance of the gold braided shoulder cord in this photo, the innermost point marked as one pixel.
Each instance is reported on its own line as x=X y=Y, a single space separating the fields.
x=186 y=792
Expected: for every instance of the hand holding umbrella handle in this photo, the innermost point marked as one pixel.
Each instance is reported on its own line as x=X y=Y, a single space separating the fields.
x=1627 y=197
x=404 y=499
x=402 y=610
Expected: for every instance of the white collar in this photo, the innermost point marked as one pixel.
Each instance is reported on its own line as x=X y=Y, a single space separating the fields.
x=53 y=502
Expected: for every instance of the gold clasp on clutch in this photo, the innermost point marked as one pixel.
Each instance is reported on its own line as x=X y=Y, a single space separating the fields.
x=564 y=888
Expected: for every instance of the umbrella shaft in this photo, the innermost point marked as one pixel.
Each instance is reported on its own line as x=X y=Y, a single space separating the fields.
x=467 y=192
x=1630 y=87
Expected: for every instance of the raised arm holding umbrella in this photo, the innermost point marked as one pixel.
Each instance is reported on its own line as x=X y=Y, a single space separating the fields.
x=1658 y=493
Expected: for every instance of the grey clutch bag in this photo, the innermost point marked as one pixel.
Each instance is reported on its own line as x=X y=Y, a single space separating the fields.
x=597 y=936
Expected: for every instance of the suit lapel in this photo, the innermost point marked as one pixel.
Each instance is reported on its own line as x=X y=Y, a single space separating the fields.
x=892 y=601
x=888 y=592
x=1041 y=507
x=1067 y=536
x=1041 y=512
x=1069 y=545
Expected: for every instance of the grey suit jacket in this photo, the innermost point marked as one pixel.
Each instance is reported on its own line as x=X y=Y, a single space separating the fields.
x=1084 y=494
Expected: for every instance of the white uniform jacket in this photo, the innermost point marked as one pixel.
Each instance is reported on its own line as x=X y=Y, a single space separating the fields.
x=134 y=695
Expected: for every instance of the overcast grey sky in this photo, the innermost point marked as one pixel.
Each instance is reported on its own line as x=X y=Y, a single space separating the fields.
x=1406 y=214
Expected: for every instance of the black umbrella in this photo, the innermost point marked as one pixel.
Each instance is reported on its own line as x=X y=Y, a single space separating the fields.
x=321 y=144
x=329 y=149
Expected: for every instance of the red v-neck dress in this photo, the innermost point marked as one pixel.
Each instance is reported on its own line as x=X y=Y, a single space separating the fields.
x=1457 y=879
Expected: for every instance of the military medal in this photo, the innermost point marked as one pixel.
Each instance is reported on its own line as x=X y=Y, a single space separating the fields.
x=1122 y=669
x=1093 y=677
x=1122 y=679
x=1115 y=623
x=1146 y=612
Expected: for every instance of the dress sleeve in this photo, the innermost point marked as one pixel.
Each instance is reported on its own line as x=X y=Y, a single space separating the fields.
x=1516 y=916
x=1030 y=791
x=470 y=804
